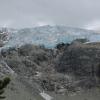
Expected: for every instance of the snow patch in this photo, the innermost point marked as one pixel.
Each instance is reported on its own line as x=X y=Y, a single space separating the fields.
x=46 y=96
x=38 y=74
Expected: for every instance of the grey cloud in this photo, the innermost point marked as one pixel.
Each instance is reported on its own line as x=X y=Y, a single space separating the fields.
x=27 y=13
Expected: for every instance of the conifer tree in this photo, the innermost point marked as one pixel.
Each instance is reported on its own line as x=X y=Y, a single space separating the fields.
x=3 y=85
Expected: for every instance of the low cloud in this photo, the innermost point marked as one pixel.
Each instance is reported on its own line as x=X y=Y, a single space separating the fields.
x=93 y=25
x=6 y=23
x=41 y=23
x=29 y=13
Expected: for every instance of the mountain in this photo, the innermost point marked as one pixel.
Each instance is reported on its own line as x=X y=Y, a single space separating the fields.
x=52 y=74
x=49 y=36
x=47 y=72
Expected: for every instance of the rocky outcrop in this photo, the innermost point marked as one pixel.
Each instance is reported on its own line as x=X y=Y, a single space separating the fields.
x=3 y=38
x=5 y=70
x=82 y=60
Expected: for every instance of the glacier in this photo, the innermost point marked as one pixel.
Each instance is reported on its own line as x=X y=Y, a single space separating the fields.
x=49 y=36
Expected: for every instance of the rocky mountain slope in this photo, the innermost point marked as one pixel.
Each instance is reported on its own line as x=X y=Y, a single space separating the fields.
x=67 y=70
x=80 y=58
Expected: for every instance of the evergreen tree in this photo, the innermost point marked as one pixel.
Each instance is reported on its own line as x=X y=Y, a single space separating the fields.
x=3 y=85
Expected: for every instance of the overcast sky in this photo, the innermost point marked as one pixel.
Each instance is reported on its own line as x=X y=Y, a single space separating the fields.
x=30 y=13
